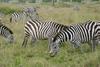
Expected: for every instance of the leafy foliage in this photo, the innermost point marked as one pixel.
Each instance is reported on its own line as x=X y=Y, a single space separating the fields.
x=7 y=10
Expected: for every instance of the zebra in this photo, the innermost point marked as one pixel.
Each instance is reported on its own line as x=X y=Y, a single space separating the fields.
x=17 y=16
x=6 y=33
x=37 y=29
x=23 y=15
x=40 y=30
x=76 y=35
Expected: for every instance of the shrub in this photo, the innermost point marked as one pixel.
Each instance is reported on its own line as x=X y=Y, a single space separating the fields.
x=7 y=10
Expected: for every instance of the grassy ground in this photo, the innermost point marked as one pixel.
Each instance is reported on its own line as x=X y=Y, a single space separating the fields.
x=13 y=55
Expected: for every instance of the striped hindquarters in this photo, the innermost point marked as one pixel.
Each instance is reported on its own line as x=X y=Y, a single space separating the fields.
x=6 y=33
x=94 y=29
x=32 y=27
x=17 y=16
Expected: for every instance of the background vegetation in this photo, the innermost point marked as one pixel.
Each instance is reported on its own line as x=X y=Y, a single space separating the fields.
x=36 y=55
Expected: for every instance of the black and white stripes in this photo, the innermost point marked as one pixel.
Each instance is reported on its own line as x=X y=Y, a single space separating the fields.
x=88 y=32
x=77 y=34
x=40 y=30
x=6 y=33
x=23 y=15
x=17 y=16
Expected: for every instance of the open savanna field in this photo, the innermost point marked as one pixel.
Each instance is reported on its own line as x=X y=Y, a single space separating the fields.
x=13 y=55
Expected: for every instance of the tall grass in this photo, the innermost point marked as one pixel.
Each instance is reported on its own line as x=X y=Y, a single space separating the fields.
x=36 y=55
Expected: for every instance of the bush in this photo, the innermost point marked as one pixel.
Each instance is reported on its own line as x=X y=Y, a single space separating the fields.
x=7 y=10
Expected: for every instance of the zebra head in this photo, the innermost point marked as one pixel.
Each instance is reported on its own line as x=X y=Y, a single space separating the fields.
x=56 y=41
x=54 y=47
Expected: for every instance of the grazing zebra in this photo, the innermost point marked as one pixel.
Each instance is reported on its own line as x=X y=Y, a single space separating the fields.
x=17 y=16
x=24 y=15
x=76 y=35
x=37 y=29
x=40 y=30
x=6 y=33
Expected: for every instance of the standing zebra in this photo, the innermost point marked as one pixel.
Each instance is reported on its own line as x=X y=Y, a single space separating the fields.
x=77 y=34
x=41 y=30
x=37 y=29
x=6 y=33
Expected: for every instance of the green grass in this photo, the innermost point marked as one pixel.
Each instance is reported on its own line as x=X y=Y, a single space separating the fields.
x=36 y=55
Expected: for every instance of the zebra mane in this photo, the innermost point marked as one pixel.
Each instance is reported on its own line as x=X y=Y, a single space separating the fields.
x=55 y=38
x=65 y=28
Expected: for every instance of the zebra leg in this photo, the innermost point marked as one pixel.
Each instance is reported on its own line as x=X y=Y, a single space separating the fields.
x=95 y=43
x=92 y=44
x=76 y=44
x=33 y=41
x=97 y=40
x=80 y=47
x=25 y=41
x=49 y=41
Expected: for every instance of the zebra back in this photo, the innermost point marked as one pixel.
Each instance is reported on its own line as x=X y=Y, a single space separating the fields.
x=41 y=30
x=17 y=16
x=93 y=28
